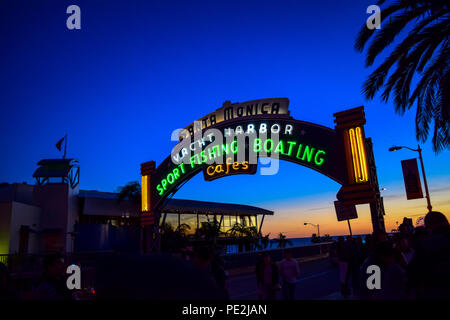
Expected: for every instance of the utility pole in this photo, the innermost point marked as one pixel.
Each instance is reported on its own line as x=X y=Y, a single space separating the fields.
x=65 y=146
x=349 y=227
x=419 y=150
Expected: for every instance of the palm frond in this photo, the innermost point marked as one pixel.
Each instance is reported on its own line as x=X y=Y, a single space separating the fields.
x=365 y=33
x=439 y=33
x=429 y=105
x=423 y=52
x=376 y=79
x=389 y=32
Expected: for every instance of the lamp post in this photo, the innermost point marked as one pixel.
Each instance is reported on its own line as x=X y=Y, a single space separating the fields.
x=314 y=225
x=419 y=150
x=318 y=234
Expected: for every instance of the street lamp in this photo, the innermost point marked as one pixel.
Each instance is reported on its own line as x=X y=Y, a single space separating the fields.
x=395 y=148
x=314 y=225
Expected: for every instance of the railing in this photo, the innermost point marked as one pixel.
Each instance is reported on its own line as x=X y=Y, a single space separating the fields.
x=4 y=259
x=25 y=269
x=245 y=259
x=21 y=262
x=32 y=263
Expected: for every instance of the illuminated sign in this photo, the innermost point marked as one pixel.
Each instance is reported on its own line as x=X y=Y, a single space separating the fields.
x=233 y=111
x=359 y=159
x=232 y=139
x=230 y=167
x=144 y=191
x=305 y=143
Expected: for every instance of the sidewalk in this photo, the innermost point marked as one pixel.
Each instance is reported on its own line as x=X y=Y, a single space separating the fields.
x=251 y=269
x=338 y=296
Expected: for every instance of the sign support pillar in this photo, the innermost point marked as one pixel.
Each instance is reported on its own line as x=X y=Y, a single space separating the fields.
x=361 y=186
x=150 y=239
x=376 y=208
x=349 y=228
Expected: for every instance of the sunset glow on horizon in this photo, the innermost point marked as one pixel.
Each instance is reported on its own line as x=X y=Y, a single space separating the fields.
x=320 y=210
x=122 y=85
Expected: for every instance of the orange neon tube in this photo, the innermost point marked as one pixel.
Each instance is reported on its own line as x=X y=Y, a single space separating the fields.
x=362 y=155
x=354 y=151
x=144 y=193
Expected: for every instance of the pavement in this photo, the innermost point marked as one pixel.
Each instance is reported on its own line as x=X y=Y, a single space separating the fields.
x=319 y=280
x=338 y=296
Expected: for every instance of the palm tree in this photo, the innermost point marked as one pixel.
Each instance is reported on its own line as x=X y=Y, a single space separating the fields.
x=183 y=228
x=315 y=238
x=251 y=239
x=131 y=191
x=282 y=241
x=168 y=237
x=423 y=52
x=210 y=230
x=172 y=239
x=166 y=229
x=247 y=236
x=238 y=230
x=265 y=241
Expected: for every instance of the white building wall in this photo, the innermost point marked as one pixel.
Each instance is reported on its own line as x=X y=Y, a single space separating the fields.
x=24 y=215
x=5 y=222
x=72 y=216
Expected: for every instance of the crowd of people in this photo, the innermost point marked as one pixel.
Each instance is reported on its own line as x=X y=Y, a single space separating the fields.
x=269 y=276
x=414 y=263
x=196 y=273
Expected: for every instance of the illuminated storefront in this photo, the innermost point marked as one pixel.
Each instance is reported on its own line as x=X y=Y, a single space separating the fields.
x=193 y=214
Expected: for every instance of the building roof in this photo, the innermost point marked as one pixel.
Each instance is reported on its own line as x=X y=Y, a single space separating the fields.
x=98 y=194
x=18 y=192
x=53 y=168
x=106 y=204
x=205 y=207
x=97 y=203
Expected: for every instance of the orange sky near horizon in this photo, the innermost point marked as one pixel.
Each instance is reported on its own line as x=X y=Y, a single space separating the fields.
x=289 y=216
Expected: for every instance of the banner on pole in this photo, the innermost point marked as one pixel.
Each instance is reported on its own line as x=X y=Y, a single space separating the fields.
x=413 y=186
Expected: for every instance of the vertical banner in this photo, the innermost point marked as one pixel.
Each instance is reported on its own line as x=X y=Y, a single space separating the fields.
x=147 y=215
x=345 y=212
x=411 y=176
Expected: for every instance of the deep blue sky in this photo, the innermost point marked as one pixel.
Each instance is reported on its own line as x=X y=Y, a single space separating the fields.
x=137 y=70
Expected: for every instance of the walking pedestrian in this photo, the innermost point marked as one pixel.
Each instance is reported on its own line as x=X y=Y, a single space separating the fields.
x=267 y=278
x=289 y=271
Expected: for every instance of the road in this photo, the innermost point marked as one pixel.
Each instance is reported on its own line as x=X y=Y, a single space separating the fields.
x=318 y=280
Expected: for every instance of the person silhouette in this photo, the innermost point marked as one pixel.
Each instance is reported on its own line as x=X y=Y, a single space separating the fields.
x=428 y=271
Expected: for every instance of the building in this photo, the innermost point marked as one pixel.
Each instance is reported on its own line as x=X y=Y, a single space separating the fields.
x=193 y=213
x=41 y=217
x=55 y=215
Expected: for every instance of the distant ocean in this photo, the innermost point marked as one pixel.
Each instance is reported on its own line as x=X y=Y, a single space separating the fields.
x=295 y=242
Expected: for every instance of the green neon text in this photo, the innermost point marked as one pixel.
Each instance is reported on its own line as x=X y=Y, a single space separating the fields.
x=288 y=149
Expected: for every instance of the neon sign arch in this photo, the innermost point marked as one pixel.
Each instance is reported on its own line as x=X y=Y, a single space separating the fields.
x=340 y=154
x=307 y=144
